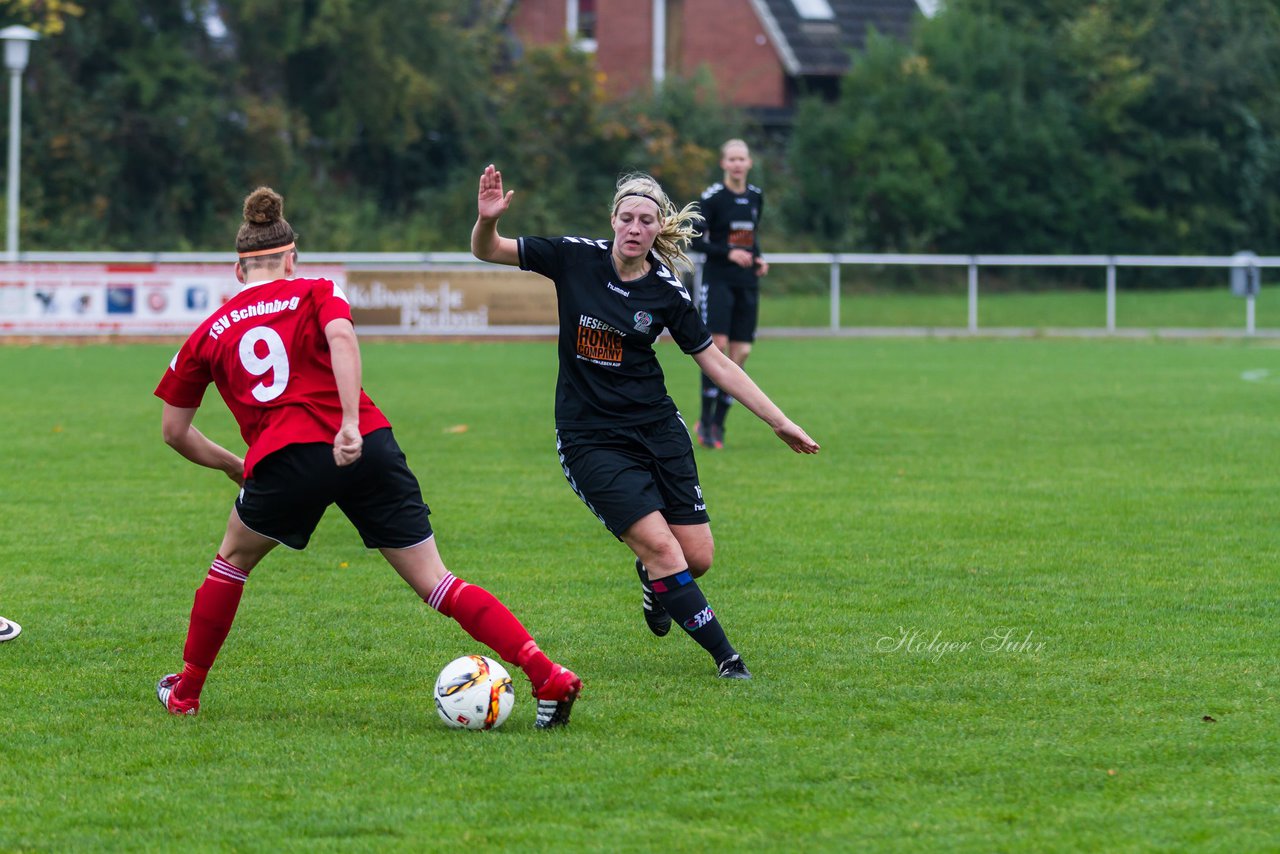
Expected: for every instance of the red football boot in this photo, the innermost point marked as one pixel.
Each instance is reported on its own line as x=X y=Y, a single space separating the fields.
x=164 y=693
x=555 y=698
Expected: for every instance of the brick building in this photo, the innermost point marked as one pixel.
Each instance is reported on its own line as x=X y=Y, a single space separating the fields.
x=761 y=53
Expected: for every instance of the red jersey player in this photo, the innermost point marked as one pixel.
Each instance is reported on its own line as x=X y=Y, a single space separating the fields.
x=283 y=355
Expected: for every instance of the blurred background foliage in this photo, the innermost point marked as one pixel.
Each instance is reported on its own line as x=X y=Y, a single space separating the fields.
x=1044 y=126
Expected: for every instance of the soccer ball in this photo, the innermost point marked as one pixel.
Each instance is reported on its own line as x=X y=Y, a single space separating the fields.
x=474 y=692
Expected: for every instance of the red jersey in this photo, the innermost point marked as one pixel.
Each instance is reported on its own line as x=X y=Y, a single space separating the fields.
x=267 y=353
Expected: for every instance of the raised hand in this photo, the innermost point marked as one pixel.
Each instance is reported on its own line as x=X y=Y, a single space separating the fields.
x=491 y=203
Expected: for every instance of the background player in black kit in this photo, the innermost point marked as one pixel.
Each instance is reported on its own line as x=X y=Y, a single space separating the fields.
x=623 y=445
x=730 y=298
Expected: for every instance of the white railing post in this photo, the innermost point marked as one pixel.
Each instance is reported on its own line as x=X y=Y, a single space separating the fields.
x=1111 y=294
x=973 y=293
x=835 y=293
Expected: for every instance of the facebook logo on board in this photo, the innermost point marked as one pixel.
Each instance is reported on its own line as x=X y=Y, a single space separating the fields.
x=120 y=299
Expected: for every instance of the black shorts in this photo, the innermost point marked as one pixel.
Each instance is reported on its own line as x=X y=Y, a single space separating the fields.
x=731 y=309
x=292 y=487
x=625 y=473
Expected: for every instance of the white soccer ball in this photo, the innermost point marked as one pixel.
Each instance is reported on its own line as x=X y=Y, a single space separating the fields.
x=474 y=692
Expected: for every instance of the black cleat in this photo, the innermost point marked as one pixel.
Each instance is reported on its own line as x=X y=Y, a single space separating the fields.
x=655 y=615
x=716 y=432
x=734 y=668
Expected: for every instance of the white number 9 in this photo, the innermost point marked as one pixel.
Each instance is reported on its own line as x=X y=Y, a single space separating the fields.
x=276 y=361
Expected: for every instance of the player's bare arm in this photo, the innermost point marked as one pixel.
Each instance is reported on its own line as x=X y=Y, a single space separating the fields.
x=344 y=352
x=180 y=433
x=727 y=375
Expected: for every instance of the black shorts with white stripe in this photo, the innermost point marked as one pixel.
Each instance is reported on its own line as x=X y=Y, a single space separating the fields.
x=623 y=474
x=730 y=309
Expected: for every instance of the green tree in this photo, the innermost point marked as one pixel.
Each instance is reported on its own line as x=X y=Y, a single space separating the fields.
x=681 y=128
x=150 y=120
x=1012 y=126
x=873 y=172
x=1054 y=126
x=1200 y=151
x=564 y=144
x=127 y=131
x=381 y=102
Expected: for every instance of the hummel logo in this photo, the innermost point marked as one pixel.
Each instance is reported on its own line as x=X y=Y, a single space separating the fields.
x=617 y=290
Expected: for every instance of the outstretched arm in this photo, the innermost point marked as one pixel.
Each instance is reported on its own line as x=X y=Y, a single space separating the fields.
x=491 y=203
x=726 y=374
x=344 y=352
x=181 y=435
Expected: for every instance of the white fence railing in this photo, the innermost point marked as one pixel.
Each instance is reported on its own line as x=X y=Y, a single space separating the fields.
x=974 y=263
x=34 y=268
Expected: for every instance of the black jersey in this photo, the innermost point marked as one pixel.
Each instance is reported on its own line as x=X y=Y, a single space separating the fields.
x=609 y=374
x=729 y=222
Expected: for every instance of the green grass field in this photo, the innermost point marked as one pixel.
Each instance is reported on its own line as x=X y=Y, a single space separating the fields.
x=1024 y=600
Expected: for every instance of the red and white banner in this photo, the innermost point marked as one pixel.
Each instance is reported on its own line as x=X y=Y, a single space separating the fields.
x=109 y=299
x=172 y=298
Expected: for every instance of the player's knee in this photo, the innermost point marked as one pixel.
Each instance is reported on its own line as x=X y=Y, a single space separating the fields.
x=700 y=560
x=661 y=558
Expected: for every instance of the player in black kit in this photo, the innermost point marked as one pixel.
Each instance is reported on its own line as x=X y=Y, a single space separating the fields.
x=623 y=445
x=730 y=298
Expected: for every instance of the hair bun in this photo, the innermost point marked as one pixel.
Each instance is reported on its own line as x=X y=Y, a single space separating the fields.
x=263 y=206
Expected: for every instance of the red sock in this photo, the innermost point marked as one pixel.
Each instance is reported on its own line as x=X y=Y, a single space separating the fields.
x=487 y=620
x=211 y=616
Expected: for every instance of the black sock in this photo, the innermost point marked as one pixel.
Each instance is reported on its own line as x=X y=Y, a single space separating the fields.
x=723 y=402
x=684 y=601
x=709 y=395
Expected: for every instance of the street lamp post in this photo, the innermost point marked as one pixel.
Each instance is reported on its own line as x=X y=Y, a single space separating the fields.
x=17 y=49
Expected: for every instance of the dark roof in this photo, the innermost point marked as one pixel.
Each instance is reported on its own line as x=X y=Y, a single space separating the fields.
x=823 y=47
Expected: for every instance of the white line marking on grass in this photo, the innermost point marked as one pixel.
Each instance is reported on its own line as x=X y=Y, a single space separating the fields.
x=1256 y=375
